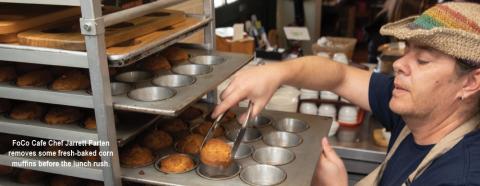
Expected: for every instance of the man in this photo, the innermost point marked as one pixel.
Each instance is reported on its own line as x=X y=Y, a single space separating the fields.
x=431 y=105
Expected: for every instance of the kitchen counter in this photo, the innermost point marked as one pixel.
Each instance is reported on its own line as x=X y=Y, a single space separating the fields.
x=357 y=149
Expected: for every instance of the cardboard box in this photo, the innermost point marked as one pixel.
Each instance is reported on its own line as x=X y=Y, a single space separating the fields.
x=337 y=44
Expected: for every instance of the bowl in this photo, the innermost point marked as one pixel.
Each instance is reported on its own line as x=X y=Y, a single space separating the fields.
x=263 y=175
x=151 y=93
x=327 y=95
x=327 y=110
x=174 y=80
x=308 y=108
x=133 y=76
x=218 y=173
x=282 y=139
x=192 y=69
x=251 y=135
x=243 y=151
x=291 y=125
x=348 y=114
x=273 y=156
x=207 y=60
x=259 y=121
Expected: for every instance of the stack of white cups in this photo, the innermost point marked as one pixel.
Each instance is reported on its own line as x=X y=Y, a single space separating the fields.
x=329 y=110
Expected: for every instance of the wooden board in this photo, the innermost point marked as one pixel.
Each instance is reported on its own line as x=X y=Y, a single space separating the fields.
x=15 y=18
x=67 y=36
x=140 y=42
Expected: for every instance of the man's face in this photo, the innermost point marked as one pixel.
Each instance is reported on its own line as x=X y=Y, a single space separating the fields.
x=426 y=83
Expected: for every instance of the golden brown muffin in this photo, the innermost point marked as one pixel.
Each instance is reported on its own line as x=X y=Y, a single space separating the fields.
x=175 y=55
x=190 y=144
x=176 y=163
x=96 y=158
x=203 y=128
x=27 y=176
x=63 y=115
x=216 y=153
x=7 y=73
x=155 y=64
x=5 y=170
x=174 y=125
x=71 y=80
x=27 y=111
x=35 y=78
x=60 y=180
x=90 y=122
x=191 y=113
x=135 y=155
x=5 y=105
x=157 y=140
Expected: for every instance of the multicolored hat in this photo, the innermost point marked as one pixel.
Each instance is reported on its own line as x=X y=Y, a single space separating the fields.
x=453 y=28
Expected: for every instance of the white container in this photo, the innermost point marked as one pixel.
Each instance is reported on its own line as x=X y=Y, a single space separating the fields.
x=308 y=108
x=348 y=114
x=341 y=58
x=333 y=129
x=285 y=99
x=327 y=110
x=308 y=96
x=327 y=95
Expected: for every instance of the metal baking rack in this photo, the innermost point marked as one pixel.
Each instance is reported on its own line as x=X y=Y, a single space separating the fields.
x=92 y=24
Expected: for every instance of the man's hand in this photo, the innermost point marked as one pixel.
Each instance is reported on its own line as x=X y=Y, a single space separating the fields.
x=330 y=170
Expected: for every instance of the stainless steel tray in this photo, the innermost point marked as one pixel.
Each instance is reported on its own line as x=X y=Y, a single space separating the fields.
x=188 y=94
x=299 y=172
x=155 y=46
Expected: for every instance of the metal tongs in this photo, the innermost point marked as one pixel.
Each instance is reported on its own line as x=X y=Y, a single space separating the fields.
x=240 y=135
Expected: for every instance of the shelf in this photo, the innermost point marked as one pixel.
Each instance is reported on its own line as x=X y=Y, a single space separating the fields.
x=43 y=56
x=43 y=95
x=130 y=126
x=299 y=171
x=157 y=41
x=34 y=128
x=189 y=94
x=81 y=172
x=45 y=2
x=6 y=180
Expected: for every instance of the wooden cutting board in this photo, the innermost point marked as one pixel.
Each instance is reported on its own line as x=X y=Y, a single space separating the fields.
x=15 y=18
x=67 y=36
x=139 y=42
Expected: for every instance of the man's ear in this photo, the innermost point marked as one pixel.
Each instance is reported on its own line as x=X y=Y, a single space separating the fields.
x=471 y=84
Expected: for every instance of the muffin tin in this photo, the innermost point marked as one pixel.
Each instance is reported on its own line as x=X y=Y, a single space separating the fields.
x=188 y=82
x=292 y=165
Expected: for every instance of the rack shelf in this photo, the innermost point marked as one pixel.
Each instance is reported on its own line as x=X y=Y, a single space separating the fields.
x=43 y=95
x=127 y=130
x=43 y=56
x=189 y=94
x=164 y=39
x=82 y=172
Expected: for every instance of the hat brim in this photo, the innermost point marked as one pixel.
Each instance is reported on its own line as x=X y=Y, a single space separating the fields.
x=455 y=42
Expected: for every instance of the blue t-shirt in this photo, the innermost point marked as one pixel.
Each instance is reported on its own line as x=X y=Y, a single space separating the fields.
x=459 y=166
